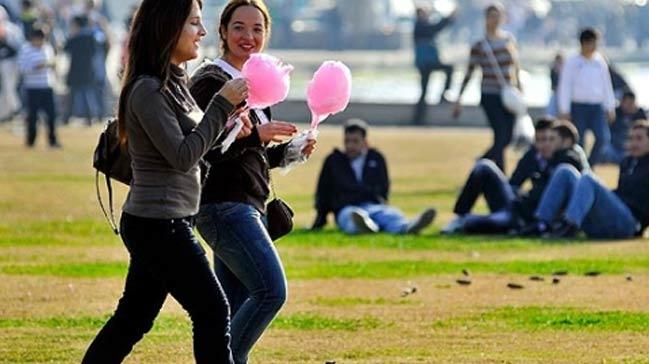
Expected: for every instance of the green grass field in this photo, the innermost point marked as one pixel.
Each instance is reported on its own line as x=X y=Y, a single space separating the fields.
x=62 y=271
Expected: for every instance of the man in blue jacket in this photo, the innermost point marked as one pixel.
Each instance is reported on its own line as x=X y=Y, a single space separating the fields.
x=354 y=185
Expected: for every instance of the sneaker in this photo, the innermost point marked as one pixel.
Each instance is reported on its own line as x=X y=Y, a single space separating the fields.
x=422 y=221
x=565 y=230
x=364 y=225
x=535 y=229
x=455 y=226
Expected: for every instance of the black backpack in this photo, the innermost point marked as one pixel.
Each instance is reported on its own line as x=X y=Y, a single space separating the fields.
x=112 y=160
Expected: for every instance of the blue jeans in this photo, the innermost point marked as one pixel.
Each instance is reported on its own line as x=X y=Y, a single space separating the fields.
x=557 y=194
x=388 y=219
x=249 y=268
x=588 y=204
x=592 y=117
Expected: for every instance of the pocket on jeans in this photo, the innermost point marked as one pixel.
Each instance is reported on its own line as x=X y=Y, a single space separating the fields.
x=206 y=226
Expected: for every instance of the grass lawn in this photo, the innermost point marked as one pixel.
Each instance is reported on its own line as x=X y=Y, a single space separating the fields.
x=62 y=272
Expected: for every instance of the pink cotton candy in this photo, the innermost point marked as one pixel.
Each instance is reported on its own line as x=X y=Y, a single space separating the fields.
x=329 y=91
x=268 y=80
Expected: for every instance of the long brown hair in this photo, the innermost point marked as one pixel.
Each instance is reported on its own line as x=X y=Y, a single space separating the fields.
x=155 y=31
x=228 y=12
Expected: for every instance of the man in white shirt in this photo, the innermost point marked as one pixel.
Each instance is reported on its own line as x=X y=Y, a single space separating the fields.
x=586 y=94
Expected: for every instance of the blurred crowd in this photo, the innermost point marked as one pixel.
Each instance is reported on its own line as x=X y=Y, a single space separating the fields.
x=33 y=38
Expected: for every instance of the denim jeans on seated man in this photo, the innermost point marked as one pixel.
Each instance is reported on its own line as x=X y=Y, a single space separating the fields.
x=238 y=236
x=386 y=218
x=587 y=204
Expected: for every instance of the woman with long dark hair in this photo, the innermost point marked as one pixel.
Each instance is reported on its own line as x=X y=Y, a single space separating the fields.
x=231 y=217
x=500 y=45
x=166 y=135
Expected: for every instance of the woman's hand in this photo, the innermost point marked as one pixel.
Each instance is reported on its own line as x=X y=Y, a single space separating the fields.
x=276 y=131
x=235 y=91
x=246 y=130
x=309 y=148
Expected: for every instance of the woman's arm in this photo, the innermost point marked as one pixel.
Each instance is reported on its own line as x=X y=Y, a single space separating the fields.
x=160 y=123
x=202 y=90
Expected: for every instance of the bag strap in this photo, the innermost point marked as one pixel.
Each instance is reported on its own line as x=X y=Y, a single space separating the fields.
x=494 y=62
x=270 y=176
x=111 y=218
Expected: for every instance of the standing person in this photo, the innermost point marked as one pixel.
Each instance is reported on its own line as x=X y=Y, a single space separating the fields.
x=82 y=49
x=504 y=48
x=555 y=73
x=11 y=40
x=586 y=94
x=625 y=115
x=37 y=64
x=427 y=57
x=233 y=202
x=167 y=135
x=100 y=30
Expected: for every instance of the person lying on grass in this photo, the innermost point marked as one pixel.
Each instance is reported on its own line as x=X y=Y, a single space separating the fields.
x=511 y=208
x=354 y=185
x=574 y=202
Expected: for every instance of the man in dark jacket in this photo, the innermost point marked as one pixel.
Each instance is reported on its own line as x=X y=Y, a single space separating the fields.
x=589 y=206
x=354 y=185
x=427 y=57
x=625 y=115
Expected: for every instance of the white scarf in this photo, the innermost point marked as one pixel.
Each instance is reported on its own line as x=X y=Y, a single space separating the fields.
x=235 y=73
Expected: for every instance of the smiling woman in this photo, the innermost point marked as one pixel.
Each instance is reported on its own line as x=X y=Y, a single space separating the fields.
x=232 y=209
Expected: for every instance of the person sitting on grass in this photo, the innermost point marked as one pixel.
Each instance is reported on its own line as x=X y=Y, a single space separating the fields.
x=511 y=208
x=625 y=115
x=354 y=185
x=589 y=206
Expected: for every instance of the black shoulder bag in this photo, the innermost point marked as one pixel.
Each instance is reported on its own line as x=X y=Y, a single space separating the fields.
x=278 y=213
x=112 y=159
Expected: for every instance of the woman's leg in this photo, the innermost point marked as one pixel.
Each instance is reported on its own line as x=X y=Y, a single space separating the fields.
x=141 y=301
x=246 y=249
x=207 y=226
x=165 y=257
x=502 y=124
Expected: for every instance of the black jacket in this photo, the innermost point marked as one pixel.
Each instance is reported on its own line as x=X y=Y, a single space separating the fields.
x=529 y=167
x=242 y=174
x=338 y=186
x=633 y=187
x=527 y=203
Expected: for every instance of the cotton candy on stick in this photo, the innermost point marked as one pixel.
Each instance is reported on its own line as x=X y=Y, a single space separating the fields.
x=269 y=82
x=329 y=91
